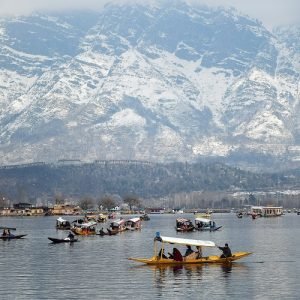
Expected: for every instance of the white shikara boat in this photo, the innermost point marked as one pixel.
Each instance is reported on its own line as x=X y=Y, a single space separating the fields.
x=159 y=257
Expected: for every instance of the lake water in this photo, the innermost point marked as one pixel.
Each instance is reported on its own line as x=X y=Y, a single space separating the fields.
x=98 y=268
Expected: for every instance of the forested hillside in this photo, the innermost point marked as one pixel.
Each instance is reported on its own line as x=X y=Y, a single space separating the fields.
x=146 y=180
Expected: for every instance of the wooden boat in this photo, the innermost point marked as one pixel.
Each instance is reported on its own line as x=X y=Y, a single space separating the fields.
x=117 y=226
x=134 y=224
x=191 y=259
x=63 y=224
x=88 y=228
x=65 y=240
x=203 y=224
x=239 y=214
x=145 y=217
x=184 y=225
x=7 y=235
x=12 y=236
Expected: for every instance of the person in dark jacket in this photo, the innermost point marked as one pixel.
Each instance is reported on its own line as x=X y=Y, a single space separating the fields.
x=71 y=236
x=226 y=251
x=188 y=251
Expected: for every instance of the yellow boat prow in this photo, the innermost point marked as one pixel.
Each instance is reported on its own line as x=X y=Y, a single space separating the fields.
x=209 y=259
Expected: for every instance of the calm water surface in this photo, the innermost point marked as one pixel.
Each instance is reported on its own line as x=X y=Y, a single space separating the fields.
x=97 y=267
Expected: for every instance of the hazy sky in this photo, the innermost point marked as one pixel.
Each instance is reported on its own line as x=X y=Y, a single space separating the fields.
x=270 y=12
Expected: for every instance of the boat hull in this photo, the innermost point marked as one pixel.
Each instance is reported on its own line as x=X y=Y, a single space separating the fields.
x=204 y=260
x=57 y=241
x=178 y=229
x=209 y=229
x=12 y=237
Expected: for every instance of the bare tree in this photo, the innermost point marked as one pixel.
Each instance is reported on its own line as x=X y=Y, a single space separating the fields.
x=132 y=200
x=86 y=203
x=2 y=201
x=59 y=199
x=106 y=202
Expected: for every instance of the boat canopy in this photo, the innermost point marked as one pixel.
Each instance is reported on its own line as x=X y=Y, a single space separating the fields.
x=203 y=220
x=135 y=220
x=118 y=222
x=182 y=220
x=61 y=220
x=180 y=241
x=88 y=224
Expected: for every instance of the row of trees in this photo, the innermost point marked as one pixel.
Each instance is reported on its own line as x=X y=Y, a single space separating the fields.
x=108 y=202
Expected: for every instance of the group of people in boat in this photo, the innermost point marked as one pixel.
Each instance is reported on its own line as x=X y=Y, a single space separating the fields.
x=192 y=254
x=210 y=224
x=6 y=232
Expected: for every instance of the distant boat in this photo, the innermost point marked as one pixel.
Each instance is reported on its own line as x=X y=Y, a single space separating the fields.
x=63 y=224
x=145 y=217
x=117 y=226
x=267 y=211
x=203 y=224
x=239 y=214
x=184 y=225
x=134 y=224
x=65 y=240
x=88 y=228
x=7 y=235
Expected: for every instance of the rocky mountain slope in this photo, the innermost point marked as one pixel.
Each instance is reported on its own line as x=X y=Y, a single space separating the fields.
x=156 y=83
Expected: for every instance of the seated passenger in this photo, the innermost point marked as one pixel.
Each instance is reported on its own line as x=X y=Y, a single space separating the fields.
x=176 y=255
x=161 y=253
x=188 y=250
x=199 y=252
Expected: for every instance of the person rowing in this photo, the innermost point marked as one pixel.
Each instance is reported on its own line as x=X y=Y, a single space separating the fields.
x=226 y=251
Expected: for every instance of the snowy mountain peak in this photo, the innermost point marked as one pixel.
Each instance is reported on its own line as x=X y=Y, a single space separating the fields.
x=157 y=83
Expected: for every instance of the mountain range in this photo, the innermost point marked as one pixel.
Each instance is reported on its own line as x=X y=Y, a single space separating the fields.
x=160 y=83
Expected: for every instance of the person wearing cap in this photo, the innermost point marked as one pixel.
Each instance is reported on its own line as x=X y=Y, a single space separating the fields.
x=226 y=251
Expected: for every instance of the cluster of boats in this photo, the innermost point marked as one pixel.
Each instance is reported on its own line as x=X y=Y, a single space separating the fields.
x=87 y=226
x=200 y=224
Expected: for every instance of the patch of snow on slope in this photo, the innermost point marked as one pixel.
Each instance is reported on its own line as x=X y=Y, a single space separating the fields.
x=128 y=118
x=266 y=126
x=211 y=146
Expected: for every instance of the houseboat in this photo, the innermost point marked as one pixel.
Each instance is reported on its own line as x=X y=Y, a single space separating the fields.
x=134 y=224
x=267 y=211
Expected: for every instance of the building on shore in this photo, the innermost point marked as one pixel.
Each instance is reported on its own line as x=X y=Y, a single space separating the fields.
x=28 y=209
x=23 y=209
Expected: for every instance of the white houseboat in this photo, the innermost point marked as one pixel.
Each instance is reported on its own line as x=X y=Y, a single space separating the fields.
x=267 y=211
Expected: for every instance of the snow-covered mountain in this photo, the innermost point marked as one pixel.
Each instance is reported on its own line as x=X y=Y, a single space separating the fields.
x=158 y=83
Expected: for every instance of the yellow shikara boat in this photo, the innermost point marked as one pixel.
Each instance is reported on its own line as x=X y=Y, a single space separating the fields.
x=160 y=259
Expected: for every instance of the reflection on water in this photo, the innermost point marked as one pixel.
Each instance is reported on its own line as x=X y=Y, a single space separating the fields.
x=97 y=267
